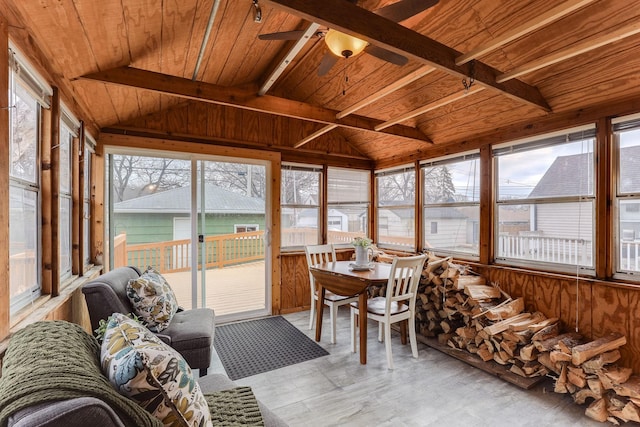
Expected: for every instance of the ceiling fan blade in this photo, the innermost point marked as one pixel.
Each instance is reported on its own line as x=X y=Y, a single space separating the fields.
x=285 y=35
x=404 y=9
x=386 y=55
x=328 y=61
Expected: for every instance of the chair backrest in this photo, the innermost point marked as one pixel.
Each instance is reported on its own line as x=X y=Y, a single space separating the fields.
x=403 y=281
x=107 y=294
x=317 y=254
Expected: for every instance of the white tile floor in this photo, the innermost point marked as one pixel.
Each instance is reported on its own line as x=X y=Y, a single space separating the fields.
x=433 y=390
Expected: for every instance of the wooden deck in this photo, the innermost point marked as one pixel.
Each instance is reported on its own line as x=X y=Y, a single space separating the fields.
x=230 y=290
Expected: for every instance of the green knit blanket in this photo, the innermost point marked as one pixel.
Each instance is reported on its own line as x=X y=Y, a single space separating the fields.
x=58 y=360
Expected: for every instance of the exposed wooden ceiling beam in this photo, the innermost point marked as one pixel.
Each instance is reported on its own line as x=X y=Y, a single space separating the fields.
x=316 y=134
x=529 y=27
x=409 y=78
x=243 y=99
x=431 y=106
x=361 y=23
x=586 y=45
x=283 y=63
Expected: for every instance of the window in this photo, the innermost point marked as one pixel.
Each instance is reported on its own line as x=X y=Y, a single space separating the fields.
x=86 y=220
x=245 y=228
x=545 y=201
x=627 y=142
x=68 y=131
x=26 y=97
x=452 y=204
x=300 y=203
x=395 y=210
x=348 y=194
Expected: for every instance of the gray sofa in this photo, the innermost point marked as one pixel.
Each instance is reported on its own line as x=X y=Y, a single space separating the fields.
x=190 y=331
x=50 y=391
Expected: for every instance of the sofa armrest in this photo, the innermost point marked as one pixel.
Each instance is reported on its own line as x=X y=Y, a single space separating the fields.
x=78 y=412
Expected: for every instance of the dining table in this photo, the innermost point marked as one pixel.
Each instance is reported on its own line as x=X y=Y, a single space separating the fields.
x=346 y=279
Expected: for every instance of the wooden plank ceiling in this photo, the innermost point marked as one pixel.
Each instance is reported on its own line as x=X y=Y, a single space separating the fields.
x=568 y=55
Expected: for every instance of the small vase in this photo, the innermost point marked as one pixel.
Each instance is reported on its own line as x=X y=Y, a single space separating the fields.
x=362 y=255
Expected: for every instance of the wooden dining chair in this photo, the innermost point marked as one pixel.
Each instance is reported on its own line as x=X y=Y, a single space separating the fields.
x=398 y=304
x=317 y=254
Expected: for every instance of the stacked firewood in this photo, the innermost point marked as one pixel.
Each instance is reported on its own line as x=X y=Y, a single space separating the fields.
x=587 y=370
x=462 y=311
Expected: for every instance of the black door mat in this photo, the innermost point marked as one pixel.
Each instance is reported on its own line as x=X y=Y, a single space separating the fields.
x=255 y=346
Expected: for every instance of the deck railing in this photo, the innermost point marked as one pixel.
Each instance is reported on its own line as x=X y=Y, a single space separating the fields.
x=175 y=255
x=546 y=249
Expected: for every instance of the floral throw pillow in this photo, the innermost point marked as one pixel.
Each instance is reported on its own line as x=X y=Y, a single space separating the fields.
x=153 y=374
x=153 y=300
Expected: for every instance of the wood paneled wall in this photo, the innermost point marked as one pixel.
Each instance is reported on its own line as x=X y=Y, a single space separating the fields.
x=295 y=289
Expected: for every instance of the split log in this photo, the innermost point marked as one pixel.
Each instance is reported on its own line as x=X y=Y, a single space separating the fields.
x=509 y=347
x=584 y=352
x=598 y=410
x=543 y=324
x=595 y=385
x=630 y=388
x=576 y=376
x=482 y=292
x=524 y=324
x=617 y=375
x=581 y=396
x=545 y=360
x=549 y=344
x=561 y=383
x=506 y=311
x=528 y=353
x=559 y=356
x=464 y=280
x=521 y=337
x=498 y=327
x=485 y=354
x=546 y=333
x=596 y=363
x=630 y=412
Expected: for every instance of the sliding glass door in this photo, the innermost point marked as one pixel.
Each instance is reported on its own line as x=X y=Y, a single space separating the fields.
x=200 y=222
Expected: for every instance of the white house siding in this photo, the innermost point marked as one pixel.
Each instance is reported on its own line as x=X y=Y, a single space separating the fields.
x=451 y=234
x=565 y=220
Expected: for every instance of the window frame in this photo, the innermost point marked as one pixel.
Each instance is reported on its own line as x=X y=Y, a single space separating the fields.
x=408 y=169
x=428 y=222
x=70 y=127
x=20 y=74
x=366 y=204
x=295 y=206
x=554 y=139
x=620 y=125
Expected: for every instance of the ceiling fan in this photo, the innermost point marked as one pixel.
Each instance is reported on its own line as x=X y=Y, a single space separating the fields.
x=342 y=45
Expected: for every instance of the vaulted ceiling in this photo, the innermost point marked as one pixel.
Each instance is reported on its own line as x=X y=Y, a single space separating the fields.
x=197 y=68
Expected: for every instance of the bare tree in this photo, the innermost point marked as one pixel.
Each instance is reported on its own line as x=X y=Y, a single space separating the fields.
x=438 y=183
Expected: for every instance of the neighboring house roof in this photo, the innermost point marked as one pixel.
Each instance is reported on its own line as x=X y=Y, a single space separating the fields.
x=178 y=200
x=567 y=176
x=570 y=175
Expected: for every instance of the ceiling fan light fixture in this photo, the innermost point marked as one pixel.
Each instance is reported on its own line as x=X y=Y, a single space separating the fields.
x=341 y=44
